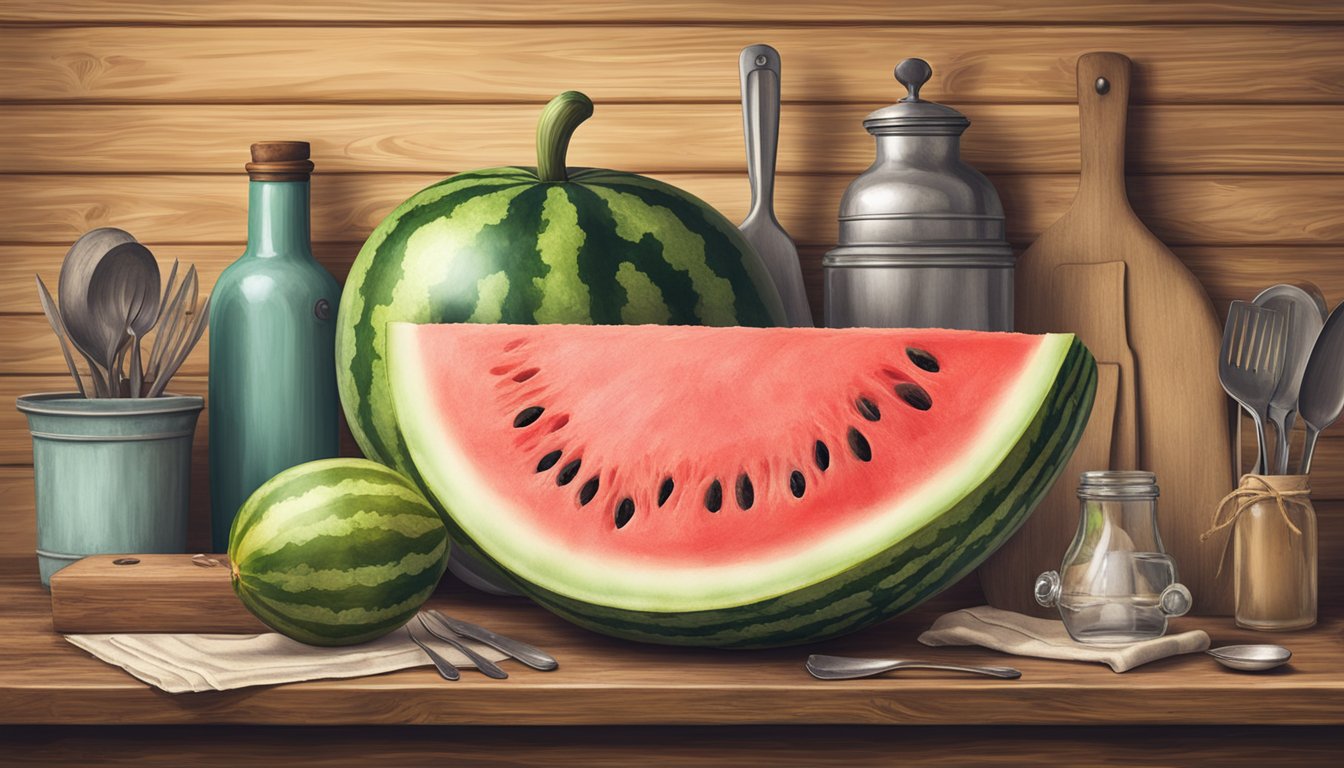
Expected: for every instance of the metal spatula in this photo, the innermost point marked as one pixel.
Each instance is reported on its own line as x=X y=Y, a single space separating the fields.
x=760 y=117
x=1251 y=360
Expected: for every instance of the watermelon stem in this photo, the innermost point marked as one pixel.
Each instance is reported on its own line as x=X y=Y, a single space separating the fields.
x=558 y=122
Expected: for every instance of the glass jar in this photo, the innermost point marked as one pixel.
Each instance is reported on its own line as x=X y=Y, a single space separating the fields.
x=1274 y=554
x=1116 y=584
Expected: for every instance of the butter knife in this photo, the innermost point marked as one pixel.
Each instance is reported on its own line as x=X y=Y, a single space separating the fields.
x=527 y=654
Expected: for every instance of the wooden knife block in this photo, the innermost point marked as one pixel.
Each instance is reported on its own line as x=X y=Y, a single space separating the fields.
x=156 y=593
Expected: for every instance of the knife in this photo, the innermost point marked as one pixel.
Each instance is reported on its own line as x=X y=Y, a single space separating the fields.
x=527 y=654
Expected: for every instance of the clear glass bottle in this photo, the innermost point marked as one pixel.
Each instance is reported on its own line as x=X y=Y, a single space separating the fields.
x=272 y=390
x=1116 y=584
x=1274 y=555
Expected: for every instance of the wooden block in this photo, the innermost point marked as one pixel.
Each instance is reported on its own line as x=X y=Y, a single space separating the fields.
x=159 y=593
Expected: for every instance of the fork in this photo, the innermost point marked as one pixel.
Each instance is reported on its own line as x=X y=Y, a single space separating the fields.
x=1250 y=362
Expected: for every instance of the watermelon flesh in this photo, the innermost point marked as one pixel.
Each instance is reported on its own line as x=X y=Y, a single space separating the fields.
x=733 y=486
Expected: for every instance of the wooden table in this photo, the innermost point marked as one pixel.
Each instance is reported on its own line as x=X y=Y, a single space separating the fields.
x=618 y=700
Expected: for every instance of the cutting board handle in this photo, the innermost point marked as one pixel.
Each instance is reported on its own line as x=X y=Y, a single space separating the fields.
x=1103 y=105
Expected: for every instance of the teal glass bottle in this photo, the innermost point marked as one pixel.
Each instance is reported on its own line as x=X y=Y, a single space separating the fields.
x=272 y=391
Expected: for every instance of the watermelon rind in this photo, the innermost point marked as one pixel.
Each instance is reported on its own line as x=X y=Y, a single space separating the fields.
x=336 y=552
x=879 y=568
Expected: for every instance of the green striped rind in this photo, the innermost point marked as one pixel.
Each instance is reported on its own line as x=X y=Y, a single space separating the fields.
x=336 y=552
x=500 y=246
x=904 y=575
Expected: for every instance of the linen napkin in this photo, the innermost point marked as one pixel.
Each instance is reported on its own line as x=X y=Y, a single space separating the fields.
x=182 y=663
x=1047 y=639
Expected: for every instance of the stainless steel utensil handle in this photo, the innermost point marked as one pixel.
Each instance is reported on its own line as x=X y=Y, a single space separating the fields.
x=759 y=69
x=530 y=655
x=445 y=667
x=1308 y=449
x=486 y=666
x=1262 y=458
x=825 y=667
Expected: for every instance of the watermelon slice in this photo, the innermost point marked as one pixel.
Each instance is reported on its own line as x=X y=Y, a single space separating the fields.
x=735 y=486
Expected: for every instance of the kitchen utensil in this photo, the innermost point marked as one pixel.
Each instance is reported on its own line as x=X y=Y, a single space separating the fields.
x=1116 y=585
x=922 y=240
x=116 y=291
x=1251 y=360
x=172 y=594
x=445 y=667
x=77 y=271
x=1251 y=658
x=177 y=334
x=527 y=654
x=825 y=667
x=1305 y=319
x=759 y=69
x=1176 y=418
x=58 y=327
x=486 y=666
x=1322 y=396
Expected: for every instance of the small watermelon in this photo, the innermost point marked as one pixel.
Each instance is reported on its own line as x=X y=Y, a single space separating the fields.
x=736 y=487
x=336 y=552
x=538 y=245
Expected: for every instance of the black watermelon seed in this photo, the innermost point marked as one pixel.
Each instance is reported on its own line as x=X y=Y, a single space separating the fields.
x=922 y=359
x=858 y=444
x=823 y=456
x=527 y=416
x=624 y=512
x=665 y=491
x=746 y=495
x=714 y=497
x=915 y=396
x=797 y=484
x=568 y=472
x=868 y=409
x=588 y=491
x=548 y=461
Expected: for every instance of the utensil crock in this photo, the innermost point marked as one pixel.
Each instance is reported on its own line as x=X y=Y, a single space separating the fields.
x=111 y=475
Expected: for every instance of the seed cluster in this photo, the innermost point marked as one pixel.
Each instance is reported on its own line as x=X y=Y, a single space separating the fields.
x=744 y=492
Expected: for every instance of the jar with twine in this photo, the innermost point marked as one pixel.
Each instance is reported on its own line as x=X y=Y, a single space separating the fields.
x=1274 y=551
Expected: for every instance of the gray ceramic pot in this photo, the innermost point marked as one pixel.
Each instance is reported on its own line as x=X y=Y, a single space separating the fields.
x=111 y=475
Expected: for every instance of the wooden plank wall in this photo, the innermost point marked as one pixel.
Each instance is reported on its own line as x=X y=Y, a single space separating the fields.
x=138 y=114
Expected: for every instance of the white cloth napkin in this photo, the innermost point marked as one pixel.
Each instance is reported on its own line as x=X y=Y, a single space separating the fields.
x=181 y=663
x=1047 y=639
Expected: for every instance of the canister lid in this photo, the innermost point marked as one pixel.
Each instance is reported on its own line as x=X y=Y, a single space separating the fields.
x=913 y=116
x=1117 y=484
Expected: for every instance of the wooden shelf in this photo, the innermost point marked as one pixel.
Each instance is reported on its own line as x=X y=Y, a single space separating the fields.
x=604 y=682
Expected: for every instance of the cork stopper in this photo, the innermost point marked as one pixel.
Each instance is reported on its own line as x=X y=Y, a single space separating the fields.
x=280 y=161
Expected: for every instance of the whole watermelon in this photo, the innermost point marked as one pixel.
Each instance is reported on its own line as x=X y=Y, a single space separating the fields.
x=537 y=245
x=336 y=552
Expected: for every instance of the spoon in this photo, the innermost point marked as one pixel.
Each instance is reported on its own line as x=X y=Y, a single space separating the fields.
x=1305 y=319
x=825 y=667
x=1322 y=396
x=72 y=286
x=1251 y=658
x=117 y=291
x=484 y=665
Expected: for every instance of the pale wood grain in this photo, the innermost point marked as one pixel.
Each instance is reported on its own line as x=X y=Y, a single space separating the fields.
x=172 y=594
x=1201 y=210
x=1264 y=64
x=1003 y=138
x=44 y=680
x=1227 y=272
x=736 y=11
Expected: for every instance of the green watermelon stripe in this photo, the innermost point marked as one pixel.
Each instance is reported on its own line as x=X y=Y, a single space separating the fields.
x=337 y=551
x=936 y=556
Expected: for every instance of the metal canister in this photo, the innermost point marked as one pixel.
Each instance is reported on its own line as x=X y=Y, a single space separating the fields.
x=922 y=240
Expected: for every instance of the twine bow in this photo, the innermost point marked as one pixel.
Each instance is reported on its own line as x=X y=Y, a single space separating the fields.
x=1243 y=498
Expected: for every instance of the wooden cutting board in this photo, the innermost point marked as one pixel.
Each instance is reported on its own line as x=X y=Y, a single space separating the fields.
x=1100 y=273
x=157 y=593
